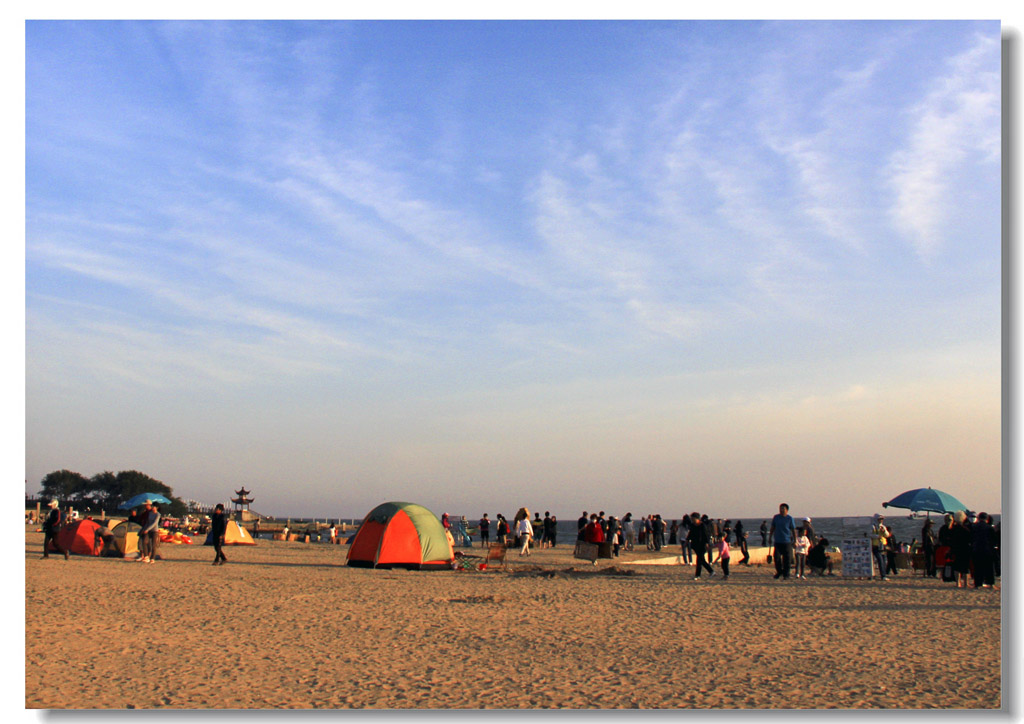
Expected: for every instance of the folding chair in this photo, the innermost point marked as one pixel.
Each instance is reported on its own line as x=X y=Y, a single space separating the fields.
x=496 y=553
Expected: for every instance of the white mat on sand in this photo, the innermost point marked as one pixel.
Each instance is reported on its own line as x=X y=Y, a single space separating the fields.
x=758 y=556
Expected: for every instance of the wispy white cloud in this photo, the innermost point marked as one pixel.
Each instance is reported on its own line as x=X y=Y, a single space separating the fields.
x=254 y=210
x=957 y=122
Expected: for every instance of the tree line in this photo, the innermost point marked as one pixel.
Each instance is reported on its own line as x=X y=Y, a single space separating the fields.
x=105 y=490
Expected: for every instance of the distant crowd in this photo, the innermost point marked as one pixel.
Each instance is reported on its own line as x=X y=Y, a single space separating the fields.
x=965 y=545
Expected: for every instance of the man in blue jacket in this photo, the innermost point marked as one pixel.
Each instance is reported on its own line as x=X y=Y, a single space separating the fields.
x=783 y=532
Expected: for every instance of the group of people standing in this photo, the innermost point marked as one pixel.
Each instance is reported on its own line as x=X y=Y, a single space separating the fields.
x=148 y=520
x=965 y=545
x=522 y=533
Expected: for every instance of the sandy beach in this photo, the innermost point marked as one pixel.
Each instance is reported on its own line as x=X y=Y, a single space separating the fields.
x=288 y=625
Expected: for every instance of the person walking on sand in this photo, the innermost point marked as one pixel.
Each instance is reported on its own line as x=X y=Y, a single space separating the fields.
x=782 y=531
x=524 y=531
x=51 y=527
x=218 y=526
x=699 y=540
x=741 y=541
x=722 y=548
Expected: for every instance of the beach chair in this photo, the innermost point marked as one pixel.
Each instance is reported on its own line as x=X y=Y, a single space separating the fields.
x=586 y=551
x=496 y=553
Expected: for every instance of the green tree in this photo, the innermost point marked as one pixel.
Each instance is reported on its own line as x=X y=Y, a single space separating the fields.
x=105 y=489
x=63 y=485
x=130 y=483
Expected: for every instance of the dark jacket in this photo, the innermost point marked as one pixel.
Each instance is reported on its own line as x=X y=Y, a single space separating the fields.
x=698 y=537
x=52 y=522
x=983 y=538
x=218 y=524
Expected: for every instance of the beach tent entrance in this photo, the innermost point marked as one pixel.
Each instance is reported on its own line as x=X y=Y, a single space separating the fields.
x=126 y=539
x=401 y=535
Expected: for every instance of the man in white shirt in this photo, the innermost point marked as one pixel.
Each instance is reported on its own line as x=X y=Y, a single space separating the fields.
x=524 y=530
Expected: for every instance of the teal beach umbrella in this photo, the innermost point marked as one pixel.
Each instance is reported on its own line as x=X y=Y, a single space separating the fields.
x=142 y=498
x=926 y=499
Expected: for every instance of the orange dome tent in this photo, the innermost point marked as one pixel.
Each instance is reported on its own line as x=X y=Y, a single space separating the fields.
x=79 y=538
x=401 y=535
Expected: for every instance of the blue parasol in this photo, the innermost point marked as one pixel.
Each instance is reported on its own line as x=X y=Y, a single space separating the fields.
x=926 y=499
x=141 y=498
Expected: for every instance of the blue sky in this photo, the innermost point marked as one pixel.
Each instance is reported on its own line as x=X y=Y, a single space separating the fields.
x=657 y=266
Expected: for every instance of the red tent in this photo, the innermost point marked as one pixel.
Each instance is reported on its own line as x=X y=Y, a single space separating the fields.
x=79 y=537
x=401 y=535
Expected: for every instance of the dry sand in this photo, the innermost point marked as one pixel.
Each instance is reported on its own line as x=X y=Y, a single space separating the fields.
x=288 y=625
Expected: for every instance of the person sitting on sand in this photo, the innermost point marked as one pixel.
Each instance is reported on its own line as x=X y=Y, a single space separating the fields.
x=818 y=559
x=102 y=537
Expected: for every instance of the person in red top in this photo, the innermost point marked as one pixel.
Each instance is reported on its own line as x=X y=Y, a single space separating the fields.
x=594 y=531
